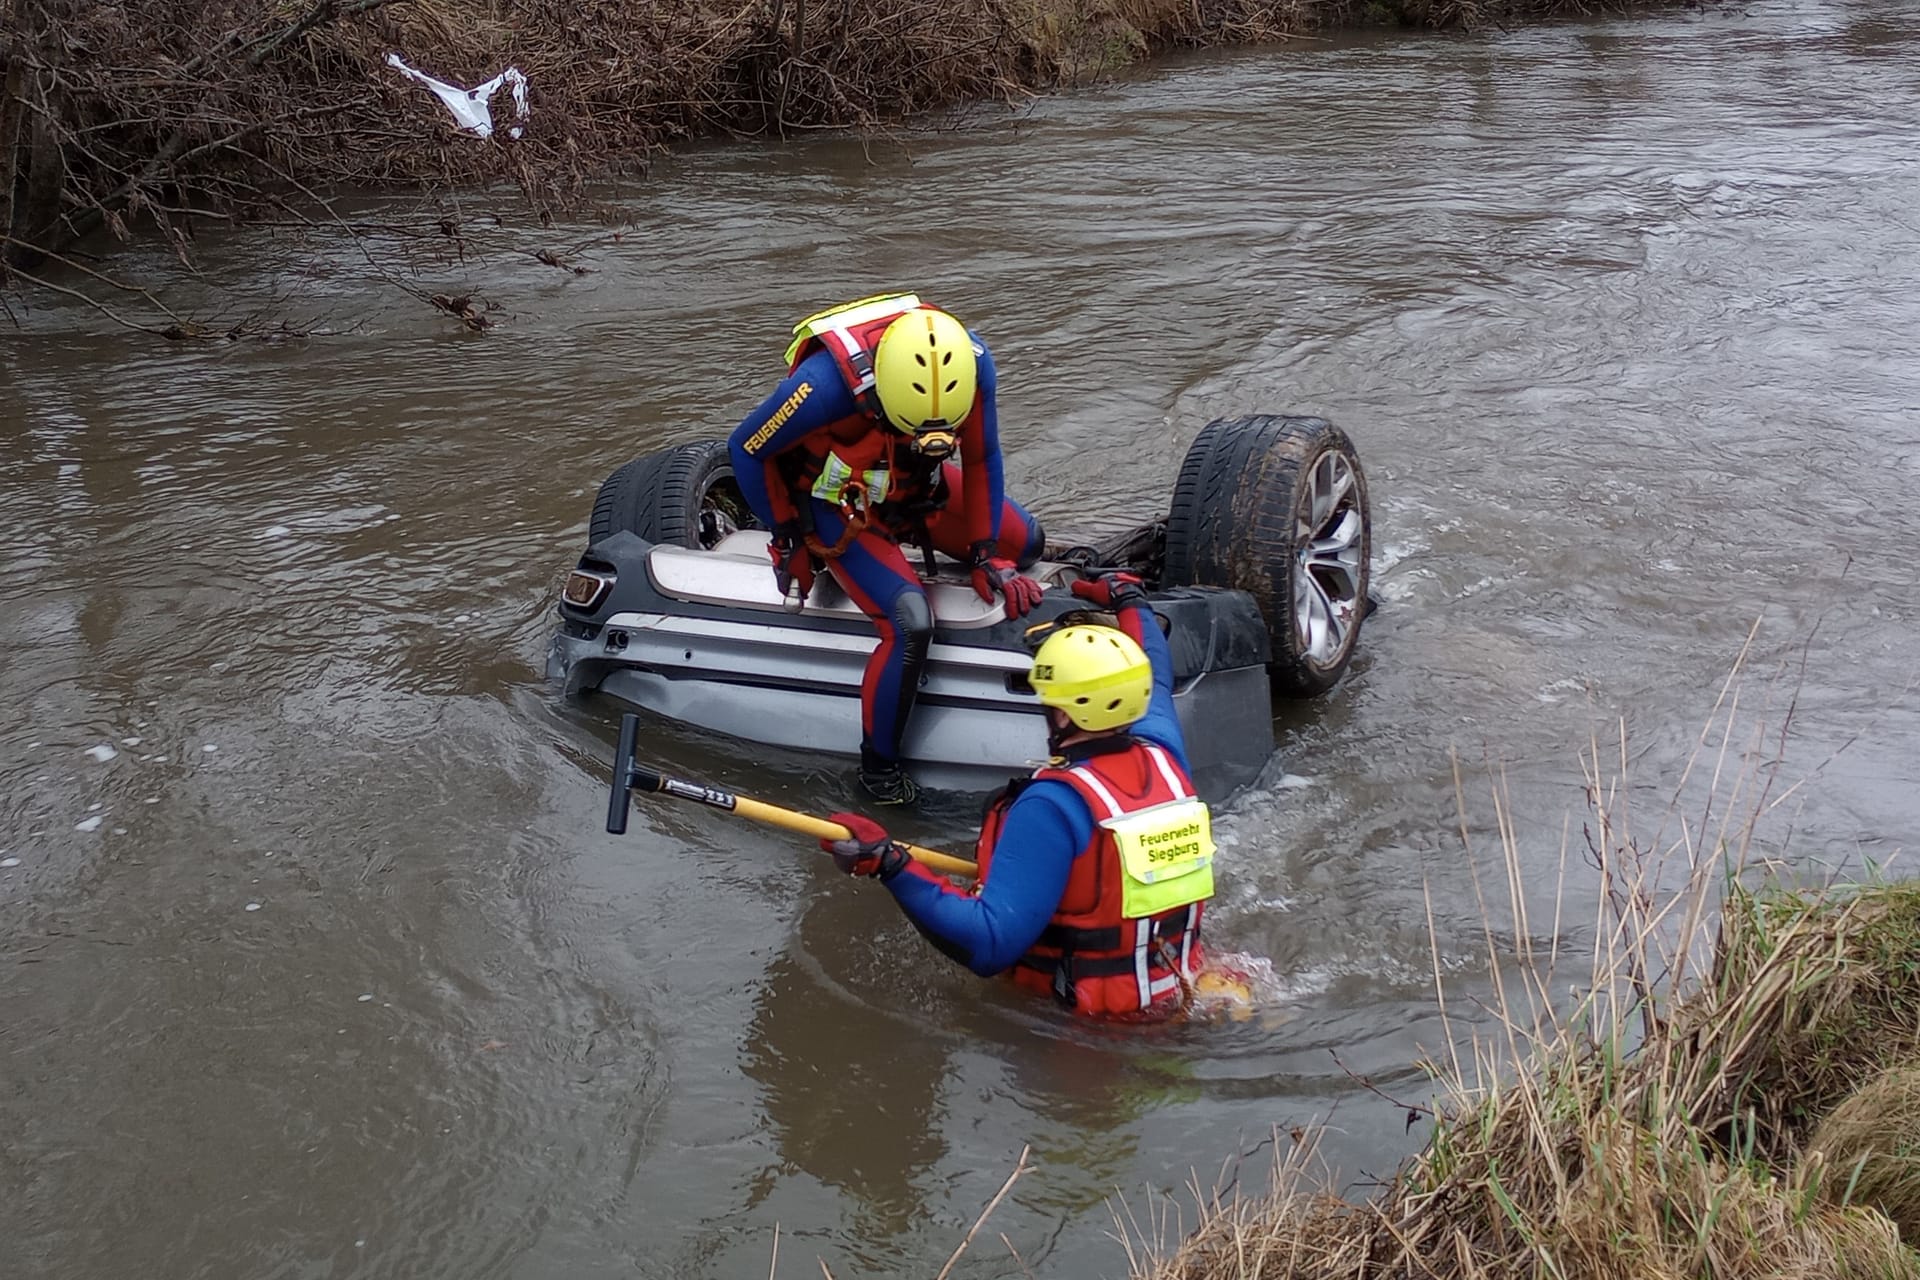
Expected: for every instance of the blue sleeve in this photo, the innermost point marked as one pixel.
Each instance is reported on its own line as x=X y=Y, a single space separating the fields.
x=1161 y=724
x=987 y=931
x=811 y=397
x=981 y=448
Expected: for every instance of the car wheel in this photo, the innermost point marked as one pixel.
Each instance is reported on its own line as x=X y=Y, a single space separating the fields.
x=683 y=496
x=1277 y=507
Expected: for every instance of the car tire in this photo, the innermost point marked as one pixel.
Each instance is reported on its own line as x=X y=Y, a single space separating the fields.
x=1277 y=507
x=685 y=496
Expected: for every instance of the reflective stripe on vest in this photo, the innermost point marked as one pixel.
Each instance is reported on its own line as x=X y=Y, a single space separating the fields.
x=831 y=484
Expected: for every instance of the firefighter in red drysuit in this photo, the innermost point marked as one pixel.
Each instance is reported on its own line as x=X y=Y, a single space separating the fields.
x=1093 y=872
x=848 y=459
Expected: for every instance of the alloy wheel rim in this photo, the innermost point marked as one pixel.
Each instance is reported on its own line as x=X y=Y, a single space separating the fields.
x=1326 y=573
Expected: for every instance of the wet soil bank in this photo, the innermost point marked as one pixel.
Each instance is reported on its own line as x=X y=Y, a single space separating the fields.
x=173 y=113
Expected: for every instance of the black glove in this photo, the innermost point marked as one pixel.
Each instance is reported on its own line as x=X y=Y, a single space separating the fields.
x=870 y=851
x=792 y=562
x=1111 y=590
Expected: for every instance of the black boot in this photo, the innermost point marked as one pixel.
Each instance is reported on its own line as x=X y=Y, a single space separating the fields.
x=885 y=780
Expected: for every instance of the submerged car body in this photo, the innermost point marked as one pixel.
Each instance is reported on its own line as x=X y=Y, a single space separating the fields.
x=1258 y=574
x=703 y=636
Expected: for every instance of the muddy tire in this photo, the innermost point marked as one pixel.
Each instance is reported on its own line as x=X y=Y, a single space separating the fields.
x=685 y=496
x=1277 y=507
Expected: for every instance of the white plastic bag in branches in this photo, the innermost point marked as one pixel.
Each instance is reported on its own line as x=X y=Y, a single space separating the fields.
x=471 y=106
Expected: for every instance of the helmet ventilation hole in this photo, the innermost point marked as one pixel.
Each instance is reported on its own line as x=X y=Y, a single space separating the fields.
x=917 y=387
x=952 y=385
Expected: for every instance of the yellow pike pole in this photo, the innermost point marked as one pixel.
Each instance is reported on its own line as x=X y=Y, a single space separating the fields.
x=629 y=777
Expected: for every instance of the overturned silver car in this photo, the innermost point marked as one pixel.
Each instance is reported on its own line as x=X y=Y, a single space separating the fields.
x=1258 y=572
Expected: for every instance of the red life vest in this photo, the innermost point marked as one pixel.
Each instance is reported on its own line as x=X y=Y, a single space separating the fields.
x=1091 y=957
x=850 y=333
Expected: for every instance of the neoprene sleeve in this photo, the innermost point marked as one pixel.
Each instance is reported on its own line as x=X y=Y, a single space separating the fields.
x=823 y=399
x=980 y=451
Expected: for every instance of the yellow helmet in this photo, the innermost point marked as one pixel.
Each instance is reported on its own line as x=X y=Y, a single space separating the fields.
x=1097 y=675
x=924 y=370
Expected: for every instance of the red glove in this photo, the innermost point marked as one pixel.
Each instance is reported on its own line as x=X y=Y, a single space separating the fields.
x=792 y=562
x=994 y=576
x=870 y=851
x=1111 y=590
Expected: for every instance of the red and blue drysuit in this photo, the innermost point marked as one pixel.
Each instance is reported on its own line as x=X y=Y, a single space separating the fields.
x=1038 y=841
x=813 y=415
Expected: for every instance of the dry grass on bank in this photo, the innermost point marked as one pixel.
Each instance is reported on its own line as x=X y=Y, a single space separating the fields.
x=1736 y=1095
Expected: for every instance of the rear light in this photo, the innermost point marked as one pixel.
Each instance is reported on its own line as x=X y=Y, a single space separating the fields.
x=585 y=589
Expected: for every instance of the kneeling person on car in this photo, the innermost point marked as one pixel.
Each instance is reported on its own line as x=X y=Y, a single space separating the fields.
x=1094 y=870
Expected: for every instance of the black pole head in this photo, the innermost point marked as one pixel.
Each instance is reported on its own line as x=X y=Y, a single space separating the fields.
x=619 y=794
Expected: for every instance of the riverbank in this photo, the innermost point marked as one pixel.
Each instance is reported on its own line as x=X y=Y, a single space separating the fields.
x=1737 y=1094
x=169 y=114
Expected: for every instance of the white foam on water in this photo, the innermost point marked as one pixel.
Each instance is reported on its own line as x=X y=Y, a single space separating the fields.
x=119 y=831
x=88 y=824
x=1401 y=587
x=276 y=531
x=1392 y=553
x=9 y=862
x=210 y=748
x=103 y=753
x=151 y=800
x=130 y=742
x=463 y=617
x=1558 y=689
x=1292 y=782
x=94 y=807
x=253 y=906
x=366 y=996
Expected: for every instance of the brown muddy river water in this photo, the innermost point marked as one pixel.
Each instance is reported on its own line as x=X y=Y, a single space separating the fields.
x=315 y=960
